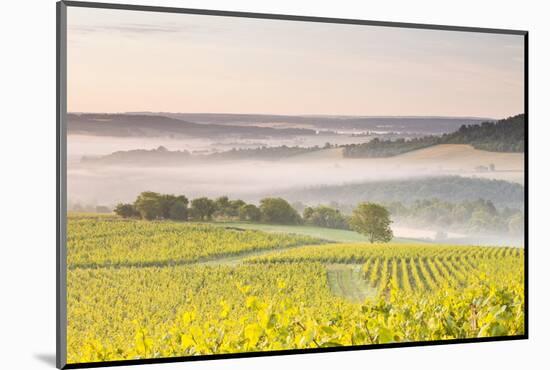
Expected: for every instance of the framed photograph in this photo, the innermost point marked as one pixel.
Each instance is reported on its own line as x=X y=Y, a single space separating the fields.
x=240 y=184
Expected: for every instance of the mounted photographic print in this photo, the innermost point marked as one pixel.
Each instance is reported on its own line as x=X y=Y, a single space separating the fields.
x=239 y=184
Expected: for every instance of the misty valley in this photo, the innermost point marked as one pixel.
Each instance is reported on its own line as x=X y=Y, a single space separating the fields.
x=456 y=180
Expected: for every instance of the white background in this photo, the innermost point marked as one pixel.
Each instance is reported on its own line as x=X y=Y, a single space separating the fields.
x=27 y=197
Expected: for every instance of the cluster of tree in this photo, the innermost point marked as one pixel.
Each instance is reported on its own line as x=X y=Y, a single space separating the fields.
x=325 y=216
x=153 y=206
x=479 y=216
x=370 y=219
x=507 y=135
x=150 y=206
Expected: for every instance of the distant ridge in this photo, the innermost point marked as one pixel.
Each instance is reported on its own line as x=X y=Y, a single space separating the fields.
x=131 y=125
x=412 y=124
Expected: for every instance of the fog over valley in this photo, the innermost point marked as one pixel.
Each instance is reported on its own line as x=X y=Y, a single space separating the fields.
x=109 y=183
x=308 y=160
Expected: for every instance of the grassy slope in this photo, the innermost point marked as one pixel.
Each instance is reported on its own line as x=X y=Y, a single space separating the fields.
x=342 y=236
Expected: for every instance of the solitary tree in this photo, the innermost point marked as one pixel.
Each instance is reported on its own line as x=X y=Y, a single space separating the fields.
x=372 y=220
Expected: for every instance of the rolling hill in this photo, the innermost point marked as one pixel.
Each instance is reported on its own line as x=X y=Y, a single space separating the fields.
x=412 y=124
x=133 y=125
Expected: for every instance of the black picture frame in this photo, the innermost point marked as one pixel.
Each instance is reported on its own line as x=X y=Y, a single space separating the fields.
x=61 y=185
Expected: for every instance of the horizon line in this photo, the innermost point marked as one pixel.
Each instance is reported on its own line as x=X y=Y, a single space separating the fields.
x=160 y=113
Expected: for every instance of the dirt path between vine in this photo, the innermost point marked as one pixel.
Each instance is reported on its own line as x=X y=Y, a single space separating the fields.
x=346 y=280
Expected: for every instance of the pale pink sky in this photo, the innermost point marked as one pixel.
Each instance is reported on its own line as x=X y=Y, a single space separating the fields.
x=122 y=61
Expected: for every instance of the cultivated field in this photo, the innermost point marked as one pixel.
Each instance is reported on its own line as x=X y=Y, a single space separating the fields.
x=144 y=289
x=114 y=242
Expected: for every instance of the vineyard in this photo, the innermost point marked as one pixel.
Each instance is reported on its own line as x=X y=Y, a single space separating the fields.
x=406 y=267
x=140 y=289
x=110 y=241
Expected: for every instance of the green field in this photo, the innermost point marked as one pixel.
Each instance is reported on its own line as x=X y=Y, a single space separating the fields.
x=334 y=235
x=143 y=289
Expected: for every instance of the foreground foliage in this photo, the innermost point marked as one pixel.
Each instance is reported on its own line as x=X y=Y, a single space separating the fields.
x=279 y=301
x=191 y=310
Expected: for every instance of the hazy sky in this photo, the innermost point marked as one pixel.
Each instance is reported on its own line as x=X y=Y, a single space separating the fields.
x=140 y=61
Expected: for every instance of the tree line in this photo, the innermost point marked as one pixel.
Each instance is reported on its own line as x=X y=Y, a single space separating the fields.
x=153 y=206
x=369 y=219
x=472 y=216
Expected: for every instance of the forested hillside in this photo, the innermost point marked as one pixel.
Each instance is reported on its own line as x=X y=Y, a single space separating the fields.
x=377 y=148
x=447 y=188
x=507 y=135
